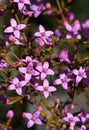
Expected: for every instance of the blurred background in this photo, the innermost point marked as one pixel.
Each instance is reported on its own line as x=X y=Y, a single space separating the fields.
x=80 y=8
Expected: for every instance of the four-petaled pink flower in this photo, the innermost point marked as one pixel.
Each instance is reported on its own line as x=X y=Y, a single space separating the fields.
x=44 y=70
x=46 y=89
x=33 y=118
x=14 y=28
x=21 y=3
x=73 y=31
x=83 y=116
x=37 y=9
x=43 y=34
x=80 y=74
x=28 y=71
x=16 y=85
x=64 y=56
x=71 y=119
x=62 y=80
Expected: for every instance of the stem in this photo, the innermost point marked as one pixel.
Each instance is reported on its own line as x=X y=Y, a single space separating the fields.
x=15 y=56
x=60 y=10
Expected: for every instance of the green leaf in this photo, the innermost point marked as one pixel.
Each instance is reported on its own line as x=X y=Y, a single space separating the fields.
x=14 y=73
x=14 y=100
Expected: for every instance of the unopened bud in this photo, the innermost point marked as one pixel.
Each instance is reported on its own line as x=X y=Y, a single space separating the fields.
x=10 y=114
x=57 y=101
x=39 y=108
x=48 y=5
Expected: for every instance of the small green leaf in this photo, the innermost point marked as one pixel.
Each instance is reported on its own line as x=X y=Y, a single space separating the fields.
x=14 y=100
x=14 y=73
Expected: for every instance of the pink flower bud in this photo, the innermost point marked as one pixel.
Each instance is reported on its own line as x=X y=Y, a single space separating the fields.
x=11 y=38
x=10 y=114
x=39 y=108
x=57 y=101
x=48 y=5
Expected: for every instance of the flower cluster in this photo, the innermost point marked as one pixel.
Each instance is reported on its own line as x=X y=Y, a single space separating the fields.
x=35 y=68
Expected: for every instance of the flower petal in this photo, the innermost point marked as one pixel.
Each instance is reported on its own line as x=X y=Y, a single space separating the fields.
x=50 y=72
x=23 y=70
x=40 y=88
x=8 y=30
x=13 y=22
x=45 y=83
x=38 y=121
x=27 y=2
x=46 y=94
x=22 y=83
x=78 y=79
x=30 y=123
x=19 y=91
x=43 y=75
x=11 y=87
x=57 y=81
x=46 y=65
x=20 y=6
x=27 y=77
x=21 y=26
x=52 y=89
x=27 y=115
x=41 y=29
x=17 y=33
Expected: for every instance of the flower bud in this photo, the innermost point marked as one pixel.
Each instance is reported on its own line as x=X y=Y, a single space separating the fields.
x=48 y=5
x=10 y=114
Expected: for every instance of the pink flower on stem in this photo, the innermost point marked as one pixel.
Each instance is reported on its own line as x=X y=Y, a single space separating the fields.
x=33 y=118
x=14 y=28
x=73 y=30
x=80 y=74
x=62 y=80
x=28 y=71
x=43 y=34
x=44 y=70
x=64 y=56
x=37 y=9
x=21 y=3
x=71 y=119
x=29 y=59
x=26 y=12
x=46 y=89
x=14 y=40
x=83 y=116
x=16 y=85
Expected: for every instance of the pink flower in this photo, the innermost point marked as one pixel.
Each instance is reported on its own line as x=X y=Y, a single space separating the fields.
x=16 y=85
x=21 y=3
x=14 y=28
x=44 y=70
x=83 y=116
x=12 y=40
x=29 y=59
x=64 y=56
x=28 y=71
x=71 y=119
x=43 y=34
x=33 y=118
x=46 y=89
x=37 y=9
x=73 y=31
x=80 y=74
x=62 y=80
x=26 y=12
